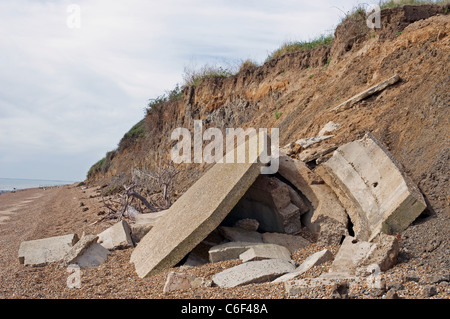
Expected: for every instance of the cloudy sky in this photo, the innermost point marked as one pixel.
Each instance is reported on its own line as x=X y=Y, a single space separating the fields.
x=76 y=75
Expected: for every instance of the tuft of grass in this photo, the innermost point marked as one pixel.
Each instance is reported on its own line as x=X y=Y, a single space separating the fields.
x=248 y=65
x=193 y=77
x=170 y=96
x=296 y=46
x=278 y=114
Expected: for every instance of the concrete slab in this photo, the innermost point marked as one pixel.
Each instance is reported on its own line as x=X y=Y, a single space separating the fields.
x=117 y=236
x=229 y=251
x=291 y=242
x=314 y=260
x=42 y=251
x=78 y=249
x=195 y=214
x=240 y=234
x=265 y=251
x=252 y=272
x=381 y=198
x=93 y=256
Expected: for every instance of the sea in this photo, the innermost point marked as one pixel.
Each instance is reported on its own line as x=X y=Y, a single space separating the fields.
x=13 y=184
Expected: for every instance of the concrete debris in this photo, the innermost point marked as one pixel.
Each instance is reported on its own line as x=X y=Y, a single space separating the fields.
x=138 y=231
x=355 y=256
x=240 y=234
x=117 y=236
x=252 y=272
x=291 y=242
x=177 y=281
x=272 y=203
x=308 y=142
x=377 y=195
x=328 y=128
x=78 y=249
x=310 y=262
x=265 y=251
x=248 y=224
x=93 y=256
x=43 y=251
x=228 y=251
x=199 y=211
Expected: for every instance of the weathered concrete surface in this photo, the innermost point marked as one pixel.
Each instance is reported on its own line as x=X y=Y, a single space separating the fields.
x=138 y=231
x=150 y=218
x=354 y=254
x=295 y=287
x=265 y=251
x=194 y=215
x=93 y=256
x=310 y=262
x=307 y=142
x=368 y=180
x=240 y=234
x=78 y=249
x=291 y=242
x=42 y=251
x=117 y=236
x=229 y=251
x=252 y=272
x=328 y=128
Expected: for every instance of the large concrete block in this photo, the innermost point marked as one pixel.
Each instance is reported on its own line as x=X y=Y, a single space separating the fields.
x=117 y=236
x=42 y=251
x=195 y=214
x=252 y=272
x=240 y=234
x=380 y=197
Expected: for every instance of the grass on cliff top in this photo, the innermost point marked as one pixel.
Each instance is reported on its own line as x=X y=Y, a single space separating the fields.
x=393 y=4
x=295 y=46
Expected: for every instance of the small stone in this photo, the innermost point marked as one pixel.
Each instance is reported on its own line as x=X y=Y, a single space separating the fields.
x=392 y=294
x=248 y=224
x=430 y=291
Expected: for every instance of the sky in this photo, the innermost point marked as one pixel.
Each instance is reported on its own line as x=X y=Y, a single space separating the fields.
x=75 y=76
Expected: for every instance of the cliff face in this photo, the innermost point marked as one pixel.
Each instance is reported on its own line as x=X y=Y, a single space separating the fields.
x=296 y=92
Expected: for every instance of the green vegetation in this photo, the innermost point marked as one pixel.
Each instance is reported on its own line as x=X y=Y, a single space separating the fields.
x=295 y=46
x=134 y=134
x=393 y=4
x=193 y=77
x=170 y=96
x=277 y=114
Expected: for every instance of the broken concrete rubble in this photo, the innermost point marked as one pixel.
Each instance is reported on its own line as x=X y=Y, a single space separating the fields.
x=312 y=261
x=42 y=251
x=93 y=256
x=117 y=236
x=265 y=251
x=291 y=242
x=177 y=281
x=252 y=272
x=228 y=251
x=354 y=254
x=369 y=182
x=272 y=203
x=78 y=249
x=248 y=224
x=240 y=234
x=308 y=142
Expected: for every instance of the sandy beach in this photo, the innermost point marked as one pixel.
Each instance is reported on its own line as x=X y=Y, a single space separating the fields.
x=37 y=213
